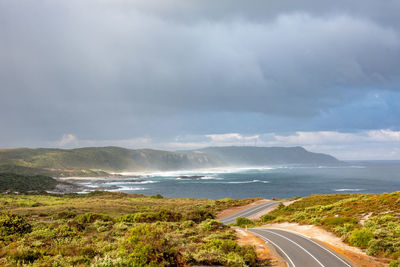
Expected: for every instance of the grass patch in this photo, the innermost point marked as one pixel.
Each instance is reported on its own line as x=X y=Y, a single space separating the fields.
x=115 y=229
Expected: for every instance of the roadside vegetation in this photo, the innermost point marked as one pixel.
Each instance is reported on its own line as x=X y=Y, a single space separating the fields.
x=116 y=229
x=370 y=222
x=15 y=182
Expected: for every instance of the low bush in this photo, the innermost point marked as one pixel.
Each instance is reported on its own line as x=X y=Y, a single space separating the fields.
x=158 y=196
x=90 y=217
x=361 y=237
x=13 y=224
x=394 y=263
x=199 y=215
x=148 y=246
x=242 y=221
x=149 y=217
x=25 y=255
x=338 y=221
x=267 y=218
x=212 y=225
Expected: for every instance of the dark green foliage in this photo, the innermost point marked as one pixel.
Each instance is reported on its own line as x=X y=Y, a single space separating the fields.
x=199 y=215
x=90 y=217
x=242 y=221
x=66 y=215
x=103 y=229
x=149 y=246
x=11 y=224
x=338 y=221
x=212 y=225
x=15 y=182
x=267 y=218
x=394 y=263
x=158 y=196
x=361 y=237
x=162 y=215
x=25 y=255
x=235 y=254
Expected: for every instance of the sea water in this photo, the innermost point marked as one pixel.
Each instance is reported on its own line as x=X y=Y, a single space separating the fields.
x=281 y=181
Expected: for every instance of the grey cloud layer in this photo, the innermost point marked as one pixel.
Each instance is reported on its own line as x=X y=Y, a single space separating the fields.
x=85 y=67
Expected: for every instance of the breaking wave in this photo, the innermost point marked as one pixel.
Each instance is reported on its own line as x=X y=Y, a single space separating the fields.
x=247 y=182
x=348 y=189
x=126 y=188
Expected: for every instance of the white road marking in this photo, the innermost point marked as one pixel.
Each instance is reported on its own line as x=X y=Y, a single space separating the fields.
x=295 y=244
x=246 y=212
x=293 y=232
x=266 y=239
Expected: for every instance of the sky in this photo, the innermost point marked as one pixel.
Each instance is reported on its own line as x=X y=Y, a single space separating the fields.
x=172 y=74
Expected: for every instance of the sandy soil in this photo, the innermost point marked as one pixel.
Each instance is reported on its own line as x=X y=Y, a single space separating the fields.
x=356 y=255
x=263 y=251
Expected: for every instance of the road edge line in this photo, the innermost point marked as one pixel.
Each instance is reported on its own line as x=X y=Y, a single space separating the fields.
x=309 y=253
x=266 y=239
x=309 y=238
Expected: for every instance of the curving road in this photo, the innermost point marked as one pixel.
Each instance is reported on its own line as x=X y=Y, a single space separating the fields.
x=248 y=212
x=298 y=250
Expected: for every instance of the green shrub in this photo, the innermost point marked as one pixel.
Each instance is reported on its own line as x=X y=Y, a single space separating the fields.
x=394 y=263
x=234 y=259
x=66 y=215
x=232 y=254
x=158 y=196
x=90 y=217
x=87 y=252
x=212 y=225
x=242 y=221
x=376 y=246
x=149 y=217
x=338 y=221
x=149 y=246
x=13 y=224
x=361 y=237
x=199 y=215
x=25 y=255
x=267 y=218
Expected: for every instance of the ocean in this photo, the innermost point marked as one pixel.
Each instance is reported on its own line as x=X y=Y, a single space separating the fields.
x=280 y=181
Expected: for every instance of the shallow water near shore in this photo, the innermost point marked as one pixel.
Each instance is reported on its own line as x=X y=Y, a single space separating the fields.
x=281 y=181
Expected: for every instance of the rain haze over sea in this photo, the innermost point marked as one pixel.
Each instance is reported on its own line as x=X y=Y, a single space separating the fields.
x=281 y=181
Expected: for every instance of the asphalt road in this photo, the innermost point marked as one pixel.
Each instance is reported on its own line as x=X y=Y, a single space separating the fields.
x=299 y=251
x=248 y=212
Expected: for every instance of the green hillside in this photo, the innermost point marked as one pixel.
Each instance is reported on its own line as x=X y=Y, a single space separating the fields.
x=15 y=182
x=96 y=161
x=99 y=161
x=259 y=156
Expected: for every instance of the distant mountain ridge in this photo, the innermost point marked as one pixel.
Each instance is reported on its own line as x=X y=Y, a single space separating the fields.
x=260 y=156
x=99 y=161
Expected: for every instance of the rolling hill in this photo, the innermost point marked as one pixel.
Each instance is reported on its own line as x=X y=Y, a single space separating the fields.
x=100 y=161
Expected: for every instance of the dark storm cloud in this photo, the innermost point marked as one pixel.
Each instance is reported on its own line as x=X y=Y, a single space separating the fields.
x=121 y=69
